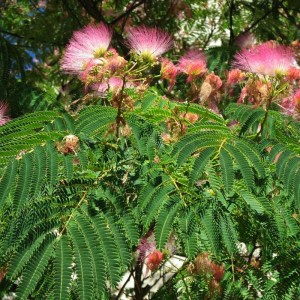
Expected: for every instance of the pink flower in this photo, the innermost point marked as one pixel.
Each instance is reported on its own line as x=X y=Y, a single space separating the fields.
x=296 y=99
x=287 y=106
x=293 y=73
x=169 y=72
x=266 y=59
x=245 y=40
x=210 y=89
x=114 y=61
x=193 y=63
x=291 y=104
x=146 y=246
x=148 y=252
x=214 y=80
x=86 y=45
x=115 y=83
x=153 y=260
x=3 y=113
x=217 y=271
x=149 y=42
x=256 y=92
x=100 y=88
x=104 y=67
x=235 y=76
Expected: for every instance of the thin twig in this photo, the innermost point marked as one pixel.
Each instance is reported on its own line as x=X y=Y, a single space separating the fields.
x=123 y=286
x=127 y=12
x=260 y=19
x=72 y=214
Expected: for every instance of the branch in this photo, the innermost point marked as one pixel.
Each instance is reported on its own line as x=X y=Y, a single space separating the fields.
x=72 y=214
x=210 y=35
x=91 y=8
x=260 y=19
x=231 y=9
x=127 y=12
x=29 y=38
x=65 y=3
x=123 y=286
x=253 y=249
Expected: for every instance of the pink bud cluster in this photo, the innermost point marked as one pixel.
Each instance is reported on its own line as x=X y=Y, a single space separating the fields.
x=266 y=71
x=273 y=76
x=101 y=68
x=88 y=55
x=291 y=105
x=192 y=64
x=148 y=254
x=213 y=273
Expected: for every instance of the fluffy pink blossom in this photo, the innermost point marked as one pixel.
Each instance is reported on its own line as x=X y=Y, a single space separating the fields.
x=266 y=59
x=149 y=42
x=146 y=246
x=3 y=113
x=245 y=40
x=85 y=46
x=169 y=72
x=287 y=106
x=193 y=63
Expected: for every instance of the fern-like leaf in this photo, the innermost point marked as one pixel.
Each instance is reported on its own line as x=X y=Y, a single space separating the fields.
x=251 y=200
x=243 y=163
x=188 y=230
x=210 y=231
x=83 y=263
x=108 y=247
x=164 y=223
x=93 y=120
x=62 y=267
x=7 y=180
x=227 y=170
x=20 y=259
x=200 y=162
x=97 y=259
x=34 y=271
